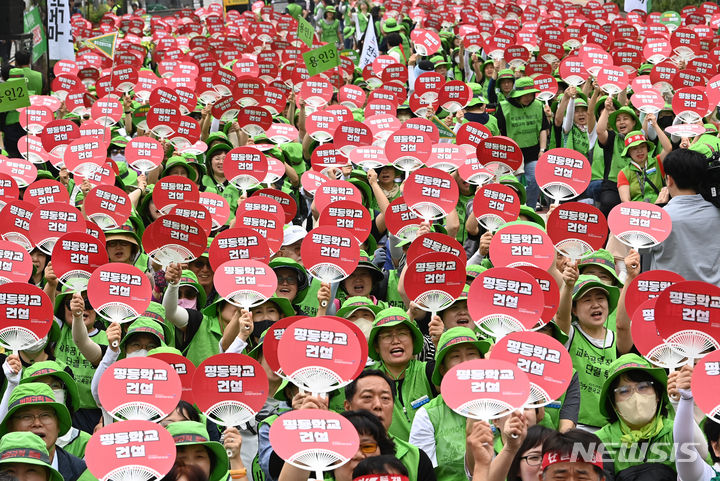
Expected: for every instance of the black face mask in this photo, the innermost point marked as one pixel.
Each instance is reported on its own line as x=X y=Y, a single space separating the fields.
x=476 y=117
x=665 y=121
x=261 y=326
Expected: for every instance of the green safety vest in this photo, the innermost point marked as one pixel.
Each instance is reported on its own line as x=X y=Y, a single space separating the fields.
x=309 y=303
x=205 y=341
x=362 y=21
x=635 y=177
x=416 y=391
x=660 y=448
x=461 y=207
x=68 y=353
x=449 y=440
x=329 y=31
x=577 y=140
x=78 y=441
x=294 y=156
x=591 y=364
x=394 y=299
x=524 y=123
x=408 y=454
x=618 y=161
x=493 y=125
x=403 y=60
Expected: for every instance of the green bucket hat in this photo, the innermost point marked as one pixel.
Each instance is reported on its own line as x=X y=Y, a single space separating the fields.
x=462 y=297
x=365 y=262
x=188 y=278
x=602 y=258
x=283 y=304
x=330 y=9
x=119 y=140
x=634 y=139
x=124 y=232
x=356 y=303
x=128 y=177
x=287 y=263
x=504 y=74
x=477 y=100
x=177 y=160
x=624 y=110
x=187 y=433
x=586 y=283
x=451 y=338
x=219 y=147
x=601 y=102
x=27 y=448
x=523 y=85
x=393 y=316
x=54 y=369
x=391 y=25
x=532 y=216
x=147 y=326
x=476 y=88
x=472 y=271
x=625 y=363
x=36 y=394
x=439 y=61
x=218 y=136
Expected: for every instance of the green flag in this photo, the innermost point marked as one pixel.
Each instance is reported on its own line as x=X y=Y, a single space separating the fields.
x=321 y=59
x=14 y=95
x=305 y=31
x=33 y=24
x=104 y=43
x=445 y=133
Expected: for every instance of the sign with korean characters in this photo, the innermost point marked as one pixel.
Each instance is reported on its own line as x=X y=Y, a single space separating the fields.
x=14 y=95
x=639 y=224
x=27 y=315
x=305 y=31
x=648 y=285
x=245 y=283
x=563 y=174
x=15 y=263
x=238 y=243
x=434 y=280
x=184 y=369
x=75 y=257
x=33 y=24
x=521 y=243
x=321 y=59
x=119 y=292
x=330 y=253
x=577 y=229
x=704 y=385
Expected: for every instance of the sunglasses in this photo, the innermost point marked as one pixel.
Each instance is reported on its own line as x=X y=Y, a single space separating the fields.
x=368 y=448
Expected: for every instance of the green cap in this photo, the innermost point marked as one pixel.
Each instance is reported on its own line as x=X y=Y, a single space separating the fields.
x=146 y=326
x=602 y=258
x=27 y=448
x=512 y=181
x=505 y=73
x=601 y=103
x=330 y=9
x=393 y=316
x=356 y=303
x=523 y=86
x=451 y=338
x=635 y=138
x=177 y=160
x=36 y=394
x=625 y=363
x=54 y=369
x=623 y=110
x=532 y=216
x=285 y=306
x=186 y=433
x=188 y=278
x=587 y=283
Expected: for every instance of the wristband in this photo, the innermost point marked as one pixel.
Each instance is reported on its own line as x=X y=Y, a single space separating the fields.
x=238 y=473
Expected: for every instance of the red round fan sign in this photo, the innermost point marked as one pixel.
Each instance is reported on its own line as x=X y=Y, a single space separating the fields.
x=401 y=221
x=349 y=215
x=129 y=446
x=546 y=362
x=639 y=224
x=268 y=224
x=174 y=238
x=184 y=369
x=495 y=205
x=284 y=199
x=230 y=388
x=502 y=151
x=562 y=173
x=51 y=221
x=195 y=211
x=108 y=206
x=431 y=193
x=245 y=167
x=551 y=291
x=144 y=153
x=272 y=337
x=139 y=388
x=436 y=242
x=689 y=306
x=107 y=111
x=434 y=280
x=368 y=157
x=27 y=315
x=75 y=257
x=9 y=190
x=648 y=101
x=46 y=191
x=245 y=283
x=351 y=134
x=446 y=157
x=648 y=285
x=612 y=80
x=85 y=155
x=254 y=120
x=15 y=223
x=704 y=383
x=407 y=149
x=15 y=263
x=320 y=357
x=172 y=190
x=238 y=243
x=326 y=157
x=218 y=207
x=22 y=171
x=577 y=229
x=334 y=190
x=645 y=335
x=690 y=104
x=330 y=253
x=522 y=243
x=485 y=389
x=119 y=292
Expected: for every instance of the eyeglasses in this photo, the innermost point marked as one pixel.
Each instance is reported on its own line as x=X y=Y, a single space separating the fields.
x=289 y=280
x=45 y=417
x=199 y=264
x=624 y=392
x=532 y=459
x=368 y=448
x=88 y=307
x=388 y=336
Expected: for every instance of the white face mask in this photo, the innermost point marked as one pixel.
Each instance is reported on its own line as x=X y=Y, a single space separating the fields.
x=37 y=347
x=365 y=325
x=118 y=157
x=187 y=303
x=138 y=353
x=638 y=410
x=59 y=395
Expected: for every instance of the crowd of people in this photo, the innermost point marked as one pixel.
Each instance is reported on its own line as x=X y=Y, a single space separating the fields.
x=621 y=417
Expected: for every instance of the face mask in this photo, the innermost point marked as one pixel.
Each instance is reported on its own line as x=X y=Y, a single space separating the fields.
x=59 y=395
x=638 y=410
x=37 y=347
x=187 y=303
x=261 y=326
x=665 y=122
x=457 y=60
x=138 y=353
x=365 y=326
x=118 y=158
x=476 y=117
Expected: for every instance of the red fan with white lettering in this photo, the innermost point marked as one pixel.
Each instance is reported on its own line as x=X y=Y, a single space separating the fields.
x=238 y=243
x=108 y=206
x=27 y=316
x=330 y=253
x=640 y=225
x=499 y=154
x=435 y=242
x=184 y=369
x=267 y=224
x=172 y=190
x=319 y=357
x=551 y=292
x=174 y=239
x=612 y=80
x=485 y=389
x=314 y=439
x=648 y=285
x=195 y=211
x=230 y=389
x=704 y=385
x=577 y=229
x=545 y=361
x=144 y=153
x=245 y=167
x=271 y=339
x=496 y=204
x=46 y=191
x=119 y=292
x=349 y=215
x=139 y=388
x=75 y=257
x=51 y=221
x=15 y=263
x=407 y=149
x=522 y=243
x=687 y=315
x=9 y=190
x=131 y=451
x=217 y=206
x=434 y=280
x=245 y=283
x=402 y=222
x=431 y=193
x=503 y=300
x=22 y=171
x=15 y=223
x=562 y=174
x=85 y=155
x=286 y=201
x=648 y=341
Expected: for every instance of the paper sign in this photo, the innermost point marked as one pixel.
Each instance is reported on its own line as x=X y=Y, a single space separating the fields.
x=522 y=243
x=245 y=283
x=639 y=224
x=119 y=292
x=648 y=285
x=577 y=229
x=330 y=253
x=434 y=280
x=321 y=59
x=75 y=257
x=14 y=95
x=305 y=31
x=496 y=204
x=27 y=315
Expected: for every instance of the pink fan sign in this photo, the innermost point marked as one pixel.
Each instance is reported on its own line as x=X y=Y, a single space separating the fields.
x=184 y=369
x=407 y=149
x=321 y=357
x=9 y=190
x=612 y=80
x=503 y=300
x=22 y=171
x=434 y=280
x=254 y=120
x=57 y=134
x=15 y=223
x=15 y=263
x=350 y=135
x=648 y=285
x=163 y=119
x=639 y=224
x=108 y=206
x=139 y=388
x=107 y=111
x=27 y=315
x=431 y=193
x=648 y=101
x=550 y=288
x=436 y=242
x=690 y=104
x=230 y=388
x=562 y=174
x=119 y=292
x=368 y=157
x=267 y=224
x=572 y=70
x=501 y=153
x=687 y=315
x=195 y=211
x=334 y=190
x=51 y=221
x=326 y=157
x=245 y=167
x=238 y=243
x=402 y=222
x=321 y=125
x=446 y=157
x=330 y=253
x=314 y=439
x=174 y=239
x=217 y=206
x=144 y=153
x=245 y=283
x=454 y=95
x=548 y=86
x=46 y=191
x=285 y=200
x=485 y=389
x=123 y=449
x=522 y=243
x=349 y=215
x=577 y=229
x=704 y=380
x=648 y=341
x=426 y=42
x=34 y=118
x=271 y=339
x=172 y=190
x=75 y=257
x=496 y=204
x=85 y=155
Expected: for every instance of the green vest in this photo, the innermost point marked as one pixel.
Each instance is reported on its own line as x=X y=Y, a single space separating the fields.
x=403 y=60
x=618 y=161
x=493 y=125
x=205 y=341
x=77 y=443
x=524 y=123
x=393 y=294
x=640 y=189
x=591 y=364
x=449 y=440
x=577 y=140
x=309 y=303
x=461 y=208
x=409 y=455
x=294 y=156
x=416 y=391
x=363 y=21
x=67 y=352
x=329 y=31
x=660 y=447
